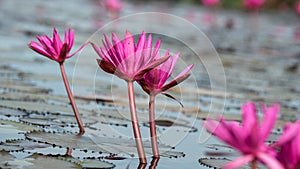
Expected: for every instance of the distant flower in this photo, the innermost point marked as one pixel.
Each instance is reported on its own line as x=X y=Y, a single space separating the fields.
x=54 y=48
x=154 y=81
x=297 y=8
x=59 y=51
x=210 y=3
x=113 y=5
x=127 y=60
x=288 y=143
x=249 y=137
x=253 y=4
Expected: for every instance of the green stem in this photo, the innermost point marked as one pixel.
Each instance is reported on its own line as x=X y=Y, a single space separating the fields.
x=135 y=124
x=72 y=101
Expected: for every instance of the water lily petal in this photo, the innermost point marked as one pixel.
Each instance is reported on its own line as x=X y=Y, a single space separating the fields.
x=290 y=131
x=57 y=43
x=178 y=79
x=150 y=66
x=47 y=44
x=39 y=49
x=268 y=121
x=238 y=162
x=139 y=51
x=249 y=116
x=270 y=161
x=78 y=50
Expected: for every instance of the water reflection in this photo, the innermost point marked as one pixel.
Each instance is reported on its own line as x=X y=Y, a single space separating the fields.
x=153 y=164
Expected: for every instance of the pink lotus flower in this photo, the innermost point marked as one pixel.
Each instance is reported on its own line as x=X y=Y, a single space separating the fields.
x=288 y=143
x=210 y=3
x=153 y=83
x=130 y=62
x=253 y=4
x=297 y=8
x=55 y=49
x=113 y=5
x=127 y=60
x=249 y=137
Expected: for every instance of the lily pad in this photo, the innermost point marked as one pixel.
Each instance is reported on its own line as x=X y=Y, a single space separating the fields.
x=27 y=144
x=48 y=162
x=10 y=130
x=220 y=162
x=66 y=140
x=40 y=107
x=11 y=112
x=7 y=147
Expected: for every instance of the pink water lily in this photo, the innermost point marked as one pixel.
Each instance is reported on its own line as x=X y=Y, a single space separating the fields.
x=253 y=4
x=249 y=137
x=113 y=5
x=289 y=147
x=59 y=51
x=130 y=61
x=54 y=48
x=210 y=3
x=154 y=82
x=127 y=60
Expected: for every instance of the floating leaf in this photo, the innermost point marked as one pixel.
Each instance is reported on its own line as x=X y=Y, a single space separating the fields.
x=88 y=163
x=41 y=122
x=48 y=162
x=66 y=140
x=7 y=147
x=24 y=128
x=96 y=164
x=41 y=107
x=216 y=162
x=27 y=144
x=11 y=112
x=10 y=130
x=219 y=162
x=24 y=88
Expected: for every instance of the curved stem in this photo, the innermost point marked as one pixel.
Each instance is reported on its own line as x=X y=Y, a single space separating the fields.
x=135 y=124
x=153 y=126
x=71 y=98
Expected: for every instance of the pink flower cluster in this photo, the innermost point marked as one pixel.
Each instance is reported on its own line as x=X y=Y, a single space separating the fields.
x=127 y=60
x=250 y=137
